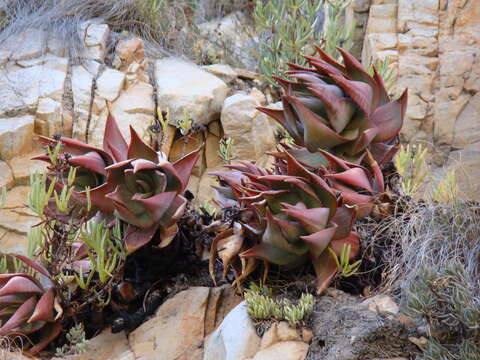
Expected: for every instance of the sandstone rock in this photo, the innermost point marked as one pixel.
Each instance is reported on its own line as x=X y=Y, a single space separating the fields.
x=287 y=333
x=16 y=136
x=234 y=339
x=177 y=330
x=249 y=128
x=185 y=145
x=110 y=83
x=6 y=176
x=12 y=242
x=205 y=190
x=285 y=350
x=224 y=72
x=23 y=166
x=270 y=337
x=212 y=146
x=82 y=83
x=28 y=45
x=258 y=95
x=466 y=164
x=166 y=139
x=307 y=335
x=15 y=215
x=382 y=304
x=96 y=36
x=186 y=89
x=49 y=115
x=129 y=51
x=106 y=346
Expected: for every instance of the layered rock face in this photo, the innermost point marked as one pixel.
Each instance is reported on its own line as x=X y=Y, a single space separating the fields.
x=435 y=46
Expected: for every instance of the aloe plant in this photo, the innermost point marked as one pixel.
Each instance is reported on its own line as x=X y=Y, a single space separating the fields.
x=131 y=181
x=339 y=108
x=29 y=306
x=286 y=218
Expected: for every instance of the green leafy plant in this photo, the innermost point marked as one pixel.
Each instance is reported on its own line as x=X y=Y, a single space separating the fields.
x=345 y=269
x=412 y=167
x=447 y=190
x=261 y=305
x=286 y=218
x=225 y=149
x=337 y=32
x=76 y=342
x=387 y=72
x=41 y=193
x=286 y=28
x=338 y=108
x=185 y=124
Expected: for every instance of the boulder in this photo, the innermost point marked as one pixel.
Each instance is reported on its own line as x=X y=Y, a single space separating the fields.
x=224 y=72
x=16 y=136
x=249 y=128
x=6 y=176
x=234 y=339
x=188 y=90
x=109 y=84
x=285 y=350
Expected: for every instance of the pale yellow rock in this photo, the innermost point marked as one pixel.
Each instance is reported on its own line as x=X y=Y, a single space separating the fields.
x=6 y=176
x=23 y=166
x=382 y=304
x=287 y=333
x=16 y=136
x=285 y=350
x=177 y=329
x=260 y=96
x=12 y=242
x=270 y=337
x=307 y=335
x=106 y=346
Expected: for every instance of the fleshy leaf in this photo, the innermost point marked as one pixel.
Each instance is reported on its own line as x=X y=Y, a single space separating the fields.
x=113 y=141
x=136 y=237
x=137 y=149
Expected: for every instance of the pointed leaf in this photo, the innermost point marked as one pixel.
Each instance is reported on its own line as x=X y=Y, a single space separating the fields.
x=184 y=167
x=113 y=141
x=136 y=237
x=158 y=204
x=19 y=317
x=51 y=333
x=355 y=177
x=44 y=307
x=137 y=149
x=91 y=161
x=312 y=220
x=326 y=269
x=360 y=92
x=319 y=241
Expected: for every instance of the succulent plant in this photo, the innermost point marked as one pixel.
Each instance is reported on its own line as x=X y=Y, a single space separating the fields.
x=339 y=108
x=148 y=192
x=90 y=162
x=29 y=306
x=359 y=186
x=132 y=181
x=285 y=218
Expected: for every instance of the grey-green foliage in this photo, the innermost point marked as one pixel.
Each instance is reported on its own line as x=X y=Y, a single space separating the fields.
x=467 y=350
x=337 y=31
x=76 y=342
x=287 y=30
x=261 y=305
x=386 y=71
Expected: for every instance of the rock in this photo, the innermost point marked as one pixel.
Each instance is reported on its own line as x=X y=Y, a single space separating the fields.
x=270 y=337
x=82 y=83
x=224 y=72
x=180 y=324
x=212 y=145
x=23 y=166
x=307 y=335
x=49 y=112
x=344 y=329
x=205 y=190
x=109 y=84
x=185 y=145
x=6 y=176
x=382 y=304
x=16 y=136
x=128 y=52
x=285 y=350
x=26 y=46
x=466 y=164
x=177 y=330
x=186 y=89
x=167 y=139
x=287 y=333
x=12 y=242
x=258 y=95
x=249 y=128
x=234 y=339
x=106 y=346
x=96 y=36
x=15 y=215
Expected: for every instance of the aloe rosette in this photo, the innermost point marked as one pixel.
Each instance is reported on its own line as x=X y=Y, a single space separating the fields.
x=339 y=108
x=294 y=217
x=359 y=186
x=148 y=192
x=90 y=162
x=29 y=306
